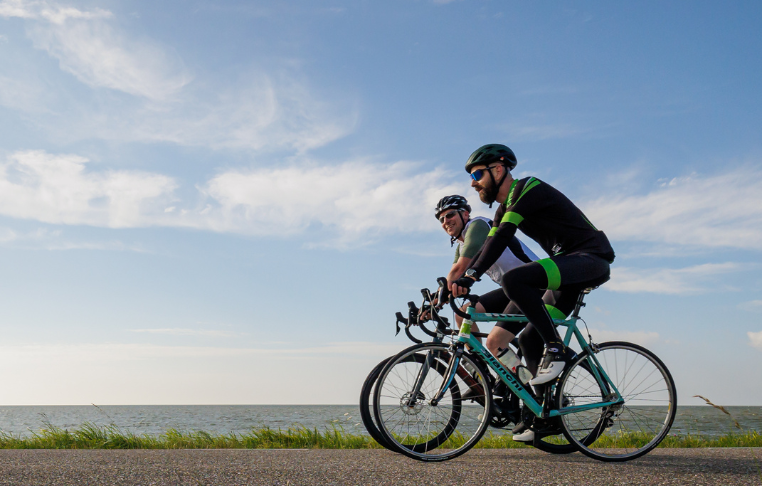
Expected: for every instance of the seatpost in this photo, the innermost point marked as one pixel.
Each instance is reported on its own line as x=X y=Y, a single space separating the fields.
x=580 y=303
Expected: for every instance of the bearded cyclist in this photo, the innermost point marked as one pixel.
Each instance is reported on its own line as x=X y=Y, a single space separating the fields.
x=580 y=254
x=454 y=214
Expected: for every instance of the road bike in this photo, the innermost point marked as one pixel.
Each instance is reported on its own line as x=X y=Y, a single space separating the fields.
x=506 y=408
x=433 y=401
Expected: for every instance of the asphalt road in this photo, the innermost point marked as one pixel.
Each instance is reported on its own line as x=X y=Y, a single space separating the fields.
x=367 y=467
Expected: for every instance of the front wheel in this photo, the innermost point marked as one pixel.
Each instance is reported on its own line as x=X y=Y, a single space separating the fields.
x=629 y=430
x=413 y=422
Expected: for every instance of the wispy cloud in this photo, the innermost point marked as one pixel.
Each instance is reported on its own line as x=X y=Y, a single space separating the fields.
x=755 y=339
x=751 y=306
x=643 y=338
x=57 y=189
x=109 y=352
x=87 y=47
x=50 y=11
x=707 y=211
x=353 y=201
x=259 y=109
x=687 y=280
x=174 y=331
x=356 y=198
x=538 y=132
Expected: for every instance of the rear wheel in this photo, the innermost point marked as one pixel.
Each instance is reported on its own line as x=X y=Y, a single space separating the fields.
x=366 y=407
x=626 y=431
x=409 y=418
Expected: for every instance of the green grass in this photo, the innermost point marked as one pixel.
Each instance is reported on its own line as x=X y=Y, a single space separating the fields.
x=91 y=436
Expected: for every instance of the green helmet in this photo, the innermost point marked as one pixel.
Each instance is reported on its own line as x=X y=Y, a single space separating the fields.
x=490 y=153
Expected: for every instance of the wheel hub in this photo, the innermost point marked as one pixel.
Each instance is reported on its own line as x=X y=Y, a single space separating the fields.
x=410 y=405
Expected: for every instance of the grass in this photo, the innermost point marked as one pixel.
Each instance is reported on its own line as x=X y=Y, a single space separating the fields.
x=91 y=436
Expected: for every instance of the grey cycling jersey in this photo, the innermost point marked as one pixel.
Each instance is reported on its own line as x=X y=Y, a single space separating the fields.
x=507 y=260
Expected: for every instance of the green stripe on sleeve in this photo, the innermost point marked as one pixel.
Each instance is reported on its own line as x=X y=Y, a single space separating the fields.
x=530 y=184
x=492 y=231
x=555 y=313
x=513 y=218
x=551 y=270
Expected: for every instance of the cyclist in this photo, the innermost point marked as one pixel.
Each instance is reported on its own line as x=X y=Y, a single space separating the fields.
x=580 y=254
x=454 y=214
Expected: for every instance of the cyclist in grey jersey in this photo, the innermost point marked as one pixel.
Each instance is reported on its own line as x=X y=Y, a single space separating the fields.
x=453 y=212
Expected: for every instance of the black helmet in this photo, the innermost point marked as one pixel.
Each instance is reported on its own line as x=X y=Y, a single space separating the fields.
x=490 y=153
x=451 y=202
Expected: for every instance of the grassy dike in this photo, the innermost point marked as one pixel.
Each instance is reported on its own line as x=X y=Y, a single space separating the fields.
x=90 y=436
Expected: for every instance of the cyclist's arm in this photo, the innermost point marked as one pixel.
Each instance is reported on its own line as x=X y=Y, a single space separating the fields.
x=505 y=223
x=458 y=269
x=473 y=241
x=495 y=245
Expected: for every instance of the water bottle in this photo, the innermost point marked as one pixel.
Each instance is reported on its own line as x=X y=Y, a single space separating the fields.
x=524 y=374
x=508 y=358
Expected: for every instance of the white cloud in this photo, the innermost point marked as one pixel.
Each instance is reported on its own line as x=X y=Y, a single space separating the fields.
x=57 y=189
x=638 y=337
x=534 y=133
x=257 y=109
x=40 y=9
x=751 y=306
x=102 y=58
x=358 y=198
x=666 y=281
x=755 y=339
x=87 y=47
x=354 y=201
x=174 y=331
x=260 y=112
x=721 y=210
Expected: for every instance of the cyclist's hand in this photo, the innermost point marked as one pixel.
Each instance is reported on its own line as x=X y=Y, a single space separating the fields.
x=424 y=315
x=461 y=286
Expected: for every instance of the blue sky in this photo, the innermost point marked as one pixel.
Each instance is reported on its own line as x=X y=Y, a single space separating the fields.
x=226 y=202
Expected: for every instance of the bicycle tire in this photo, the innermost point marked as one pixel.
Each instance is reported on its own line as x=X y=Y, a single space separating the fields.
x=366 y=407
x=626 y=431
x=416 y=427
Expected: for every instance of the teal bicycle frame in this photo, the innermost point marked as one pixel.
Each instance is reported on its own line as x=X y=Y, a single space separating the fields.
x=465 y=338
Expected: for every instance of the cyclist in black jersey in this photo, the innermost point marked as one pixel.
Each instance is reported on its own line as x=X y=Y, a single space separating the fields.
x=580 y=254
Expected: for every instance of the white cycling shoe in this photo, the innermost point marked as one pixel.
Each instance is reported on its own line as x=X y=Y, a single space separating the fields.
x=553 y=363
x=526 y=436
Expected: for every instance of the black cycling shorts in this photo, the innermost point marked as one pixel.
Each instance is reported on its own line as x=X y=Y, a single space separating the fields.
x=496 y=302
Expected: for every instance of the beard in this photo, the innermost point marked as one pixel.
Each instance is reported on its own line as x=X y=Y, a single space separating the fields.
x=485 y=192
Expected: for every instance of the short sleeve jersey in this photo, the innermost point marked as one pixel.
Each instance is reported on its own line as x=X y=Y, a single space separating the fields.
x=476 y=234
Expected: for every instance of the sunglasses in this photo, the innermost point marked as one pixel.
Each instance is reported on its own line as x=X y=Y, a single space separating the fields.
x=447 y=216
x=479 y=173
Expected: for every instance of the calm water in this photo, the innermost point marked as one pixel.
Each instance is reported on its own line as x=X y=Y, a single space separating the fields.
x=153 y=419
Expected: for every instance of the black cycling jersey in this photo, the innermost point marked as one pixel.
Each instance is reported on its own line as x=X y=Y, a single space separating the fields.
x=546 y=216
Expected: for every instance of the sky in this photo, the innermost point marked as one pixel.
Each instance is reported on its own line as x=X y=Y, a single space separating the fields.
x=226 y=202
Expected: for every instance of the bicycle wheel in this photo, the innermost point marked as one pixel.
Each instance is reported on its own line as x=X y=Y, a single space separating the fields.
x=419 y=428
x=550 y=431
x=366 y=407
x=626 y=431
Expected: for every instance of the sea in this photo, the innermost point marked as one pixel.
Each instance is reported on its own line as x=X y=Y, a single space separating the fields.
x=24 y=421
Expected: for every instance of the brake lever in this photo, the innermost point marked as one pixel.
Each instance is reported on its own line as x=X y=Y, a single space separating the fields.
x=400 y=319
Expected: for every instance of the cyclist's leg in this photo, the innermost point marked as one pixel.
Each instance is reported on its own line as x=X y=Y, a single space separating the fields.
x=570 y=271
x=504 y=332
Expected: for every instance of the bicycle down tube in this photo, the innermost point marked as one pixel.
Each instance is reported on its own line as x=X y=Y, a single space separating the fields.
x=465 y=337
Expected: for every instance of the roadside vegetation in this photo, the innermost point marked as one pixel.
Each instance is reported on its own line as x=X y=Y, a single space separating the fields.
x=91 y=436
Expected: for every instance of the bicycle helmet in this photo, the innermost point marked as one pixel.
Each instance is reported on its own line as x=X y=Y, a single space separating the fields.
x=490 y=153
x=451 y=202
